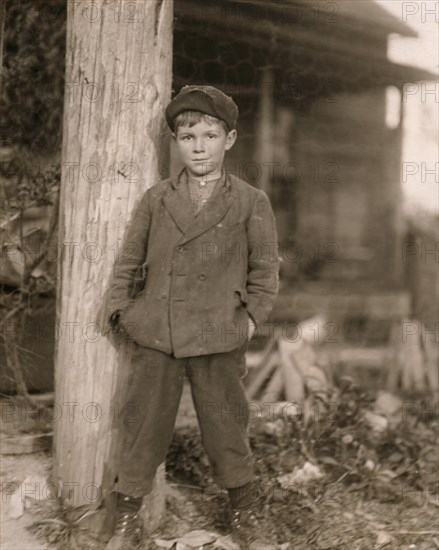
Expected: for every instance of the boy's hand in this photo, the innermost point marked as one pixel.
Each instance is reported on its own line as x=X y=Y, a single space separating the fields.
x=251 y=327
x=114 y=321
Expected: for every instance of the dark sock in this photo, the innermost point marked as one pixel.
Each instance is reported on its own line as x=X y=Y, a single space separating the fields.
x=245 y=496
x=126 y=503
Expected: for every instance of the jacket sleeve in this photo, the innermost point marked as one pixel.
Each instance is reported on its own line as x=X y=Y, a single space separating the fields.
x=128 y=273
x=263 y=260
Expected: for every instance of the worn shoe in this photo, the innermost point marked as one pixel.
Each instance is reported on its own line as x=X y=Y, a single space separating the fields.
x=246 y=531
x=128 y=533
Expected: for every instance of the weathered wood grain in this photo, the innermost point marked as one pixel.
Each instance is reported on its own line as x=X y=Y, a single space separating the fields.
x=115 y=143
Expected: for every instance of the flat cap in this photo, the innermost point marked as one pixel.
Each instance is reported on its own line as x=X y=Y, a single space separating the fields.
x=206 y=99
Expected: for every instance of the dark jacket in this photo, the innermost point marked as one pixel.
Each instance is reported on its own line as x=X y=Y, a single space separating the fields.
x=201 y=275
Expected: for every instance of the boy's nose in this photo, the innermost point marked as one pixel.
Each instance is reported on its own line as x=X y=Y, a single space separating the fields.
x=199 y=144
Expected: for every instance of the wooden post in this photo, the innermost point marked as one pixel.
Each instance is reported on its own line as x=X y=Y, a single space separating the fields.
x=118 y=82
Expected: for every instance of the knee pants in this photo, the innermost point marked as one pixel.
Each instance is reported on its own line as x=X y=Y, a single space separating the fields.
x=152 y=397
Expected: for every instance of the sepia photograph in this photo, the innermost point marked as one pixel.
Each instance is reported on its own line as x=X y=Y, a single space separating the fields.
x=219 y=274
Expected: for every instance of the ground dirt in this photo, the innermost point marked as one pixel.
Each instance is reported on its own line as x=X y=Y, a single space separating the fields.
x=347 y=509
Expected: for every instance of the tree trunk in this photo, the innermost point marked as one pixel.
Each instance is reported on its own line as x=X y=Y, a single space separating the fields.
x=115 y=146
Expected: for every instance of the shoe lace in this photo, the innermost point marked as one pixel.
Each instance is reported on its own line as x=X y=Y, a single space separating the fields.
x=129 y=523
x=244 y=518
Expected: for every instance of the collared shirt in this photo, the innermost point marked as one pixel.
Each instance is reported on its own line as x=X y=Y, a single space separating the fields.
x=199 y=193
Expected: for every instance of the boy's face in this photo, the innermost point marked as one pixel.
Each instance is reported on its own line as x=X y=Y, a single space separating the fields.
x=202 y=147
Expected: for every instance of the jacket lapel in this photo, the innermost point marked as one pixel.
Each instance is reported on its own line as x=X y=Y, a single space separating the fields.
x=179 y=206
x=212 y=213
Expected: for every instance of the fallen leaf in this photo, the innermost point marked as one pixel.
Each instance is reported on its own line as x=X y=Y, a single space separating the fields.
x=226 y=543
x=329 y=460
x=395 y=457
x=163 y=543
x=16 y=505
x=193 y=539
x=386 y=475
x=388 y=404
x=376 y=422
x=383 y=538
x=300 y=476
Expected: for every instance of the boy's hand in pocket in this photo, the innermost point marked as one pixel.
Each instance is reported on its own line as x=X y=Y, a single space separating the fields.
x=251 y=328
x=114 y=321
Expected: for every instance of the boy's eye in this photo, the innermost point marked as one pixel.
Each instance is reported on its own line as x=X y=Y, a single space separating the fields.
x=186 y=137
x=211 y=136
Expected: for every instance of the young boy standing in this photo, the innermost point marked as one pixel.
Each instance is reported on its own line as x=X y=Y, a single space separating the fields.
x=206 y=242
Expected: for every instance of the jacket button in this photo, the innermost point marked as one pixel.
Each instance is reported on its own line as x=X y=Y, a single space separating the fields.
x=163 y=296
x=180 y=249
x=202 y=276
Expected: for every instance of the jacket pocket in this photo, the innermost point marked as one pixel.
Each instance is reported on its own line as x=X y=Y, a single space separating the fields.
x=130 y=318
x=139 y=280
x=242 y=295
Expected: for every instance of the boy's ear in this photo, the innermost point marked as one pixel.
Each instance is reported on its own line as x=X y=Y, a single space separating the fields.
x=231 y=138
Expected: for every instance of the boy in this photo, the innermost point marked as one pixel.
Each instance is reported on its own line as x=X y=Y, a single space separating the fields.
x=206 y=243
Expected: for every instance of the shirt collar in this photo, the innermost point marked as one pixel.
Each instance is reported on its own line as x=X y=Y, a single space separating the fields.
x=208 y=182
x=183 y=178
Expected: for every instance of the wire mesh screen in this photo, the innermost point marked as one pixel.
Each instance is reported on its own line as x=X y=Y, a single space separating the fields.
x=310 y=82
